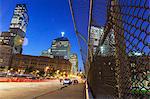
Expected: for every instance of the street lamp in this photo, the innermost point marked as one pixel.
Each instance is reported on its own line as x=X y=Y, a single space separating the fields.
x=46 y=69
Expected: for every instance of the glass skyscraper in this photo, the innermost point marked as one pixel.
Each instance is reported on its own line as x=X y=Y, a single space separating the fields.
x=11 y=41
x=96 y=35
x=18 y=26
x=61 y=48
x=20 y=18
x=15 y=36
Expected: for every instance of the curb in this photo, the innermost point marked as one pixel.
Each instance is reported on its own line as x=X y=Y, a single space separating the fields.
x=88 y=92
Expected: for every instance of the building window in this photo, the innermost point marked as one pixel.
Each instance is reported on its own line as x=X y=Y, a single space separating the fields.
x=1 y=60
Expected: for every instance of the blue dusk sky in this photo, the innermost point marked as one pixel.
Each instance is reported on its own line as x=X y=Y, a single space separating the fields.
x=47 y=19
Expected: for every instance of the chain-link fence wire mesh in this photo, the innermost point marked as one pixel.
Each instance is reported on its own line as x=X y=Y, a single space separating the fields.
x=126 y=72
x=130 y=21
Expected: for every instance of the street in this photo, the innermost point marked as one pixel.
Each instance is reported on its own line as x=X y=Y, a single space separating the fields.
x=40 y=90
x=69 y=92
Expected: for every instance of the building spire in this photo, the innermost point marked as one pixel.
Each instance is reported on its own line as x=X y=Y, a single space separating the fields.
x=62 y=34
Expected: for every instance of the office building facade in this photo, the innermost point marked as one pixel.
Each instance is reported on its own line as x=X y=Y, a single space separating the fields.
x=74 y=61
x=96 y=34
x=20 y=18
x=11 y=41
x=47 y=53
x=18 y=26
x=61 y=48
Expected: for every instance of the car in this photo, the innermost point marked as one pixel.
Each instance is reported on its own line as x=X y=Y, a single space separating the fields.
x=67 y=81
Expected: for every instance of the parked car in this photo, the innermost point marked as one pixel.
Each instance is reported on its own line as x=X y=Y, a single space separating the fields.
x=67 y=81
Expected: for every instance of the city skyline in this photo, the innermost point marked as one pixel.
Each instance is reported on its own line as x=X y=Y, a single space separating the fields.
x=52 y=28
x=76 y=49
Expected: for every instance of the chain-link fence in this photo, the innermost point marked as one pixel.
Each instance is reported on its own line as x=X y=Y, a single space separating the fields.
x=130 y=21
x=121 y=64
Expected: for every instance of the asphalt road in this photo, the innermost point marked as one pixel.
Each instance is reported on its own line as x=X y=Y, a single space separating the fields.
x=67 y=92
x=26 y=90
x=40 y=90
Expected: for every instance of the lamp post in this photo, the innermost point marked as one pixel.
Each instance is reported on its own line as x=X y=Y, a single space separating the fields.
x=46 y=69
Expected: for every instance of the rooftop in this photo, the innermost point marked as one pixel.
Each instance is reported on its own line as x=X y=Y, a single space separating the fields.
x=62 y=39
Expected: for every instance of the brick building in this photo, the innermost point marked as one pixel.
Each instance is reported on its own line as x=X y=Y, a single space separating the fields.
x=40 y=63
